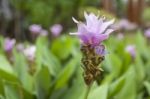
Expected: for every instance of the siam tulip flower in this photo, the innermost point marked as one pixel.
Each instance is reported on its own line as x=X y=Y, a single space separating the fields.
x=92 y=34
x=29 y=52
x=9 y=44
x=147 y=33
x=43 y=33
x=131 y=50
x=35 y=28
x=94 y=31
x=56 y=29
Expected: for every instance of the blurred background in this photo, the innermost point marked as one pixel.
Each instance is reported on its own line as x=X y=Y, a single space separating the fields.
x=40 y=60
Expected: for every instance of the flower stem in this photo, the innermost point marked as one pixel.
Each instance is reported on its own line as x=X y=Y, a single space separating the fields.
x=87 y=91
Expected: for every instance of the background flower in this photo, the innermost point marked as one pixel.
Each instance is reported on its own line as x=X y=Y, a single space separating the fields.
x=56 y=29
x=131 y=50
x=35 y=28
x=147 y=33
x=9 y=44
x=29 y=52
x=43 y=32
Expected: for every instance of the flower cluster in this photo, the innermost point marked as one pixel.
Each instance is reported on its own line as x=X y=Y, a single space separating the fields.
x=9 y=44
x=91 y=34
x=36 y=29
x=125 y=24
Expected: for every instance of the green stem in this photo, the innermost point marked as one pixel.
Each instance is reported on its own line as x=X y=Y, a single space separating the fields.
x=87 y=91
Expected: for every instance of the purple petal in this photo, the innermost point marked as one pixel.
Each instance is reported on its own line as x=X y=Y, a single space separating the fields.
x=81 y=28
x=76 y=21
x=85 y=39
x=56 y=29
x=9 y=44
x=105 y=25
x=108 y=31
x=100 y=50
x=35 y=28
x=131 y=50
x=102 y=37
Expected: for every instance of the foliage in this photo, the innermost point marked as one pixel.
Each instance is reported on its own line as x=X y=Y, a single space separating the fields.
x=58 y=72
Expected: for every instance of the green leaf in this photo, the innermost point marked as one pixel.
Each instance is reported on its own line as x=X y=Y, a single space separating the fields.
x=1 y=87
x=5 y=66
x=116 y=86
x=15 y=91
x=63 y=47
x=141 y=46
x=147 y=85
x=66 y=73
x=139 y=68
x=46 y=58
x=43 y=81
x=12 y=91
x=99 y=93
x=21 y=68
x=113 y=64
x=129 y=89
x=2 y=97
x=51 y=62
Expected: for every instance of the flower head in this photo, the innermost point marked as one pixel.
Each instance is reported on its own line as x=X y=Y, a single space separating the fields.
x=29 y=52
x=35 y=28
x=94 y=31
x=9 y=44
x=147 y=33
x=124 y=24
x=131 y=50
x=43 y=32
x=100 y=50
x=56 y=29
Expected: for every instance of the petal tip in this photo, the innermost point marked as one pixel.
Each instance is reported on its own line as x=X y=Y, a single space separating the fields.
x=75 y=20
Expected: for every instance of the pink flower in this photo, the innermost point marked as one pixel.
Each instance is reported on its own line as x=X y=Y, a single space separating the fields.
x=9 y=44
x=44 y=32
x=35 y=28
x=56 y=29
x=94 y=31
x=131 y=50
x=30 y=52
x=125 y=25
x=147 y=33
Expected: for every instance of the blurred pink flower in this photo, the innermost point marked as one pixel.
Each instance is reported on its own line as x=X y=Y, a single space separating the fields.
x=29 y=52
x=131 y=50
x=147 y=33
x=56 y=29
x=43 y=32
x=94 y=31
x=35 y=28
x=9 y=44
x=125 y=25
